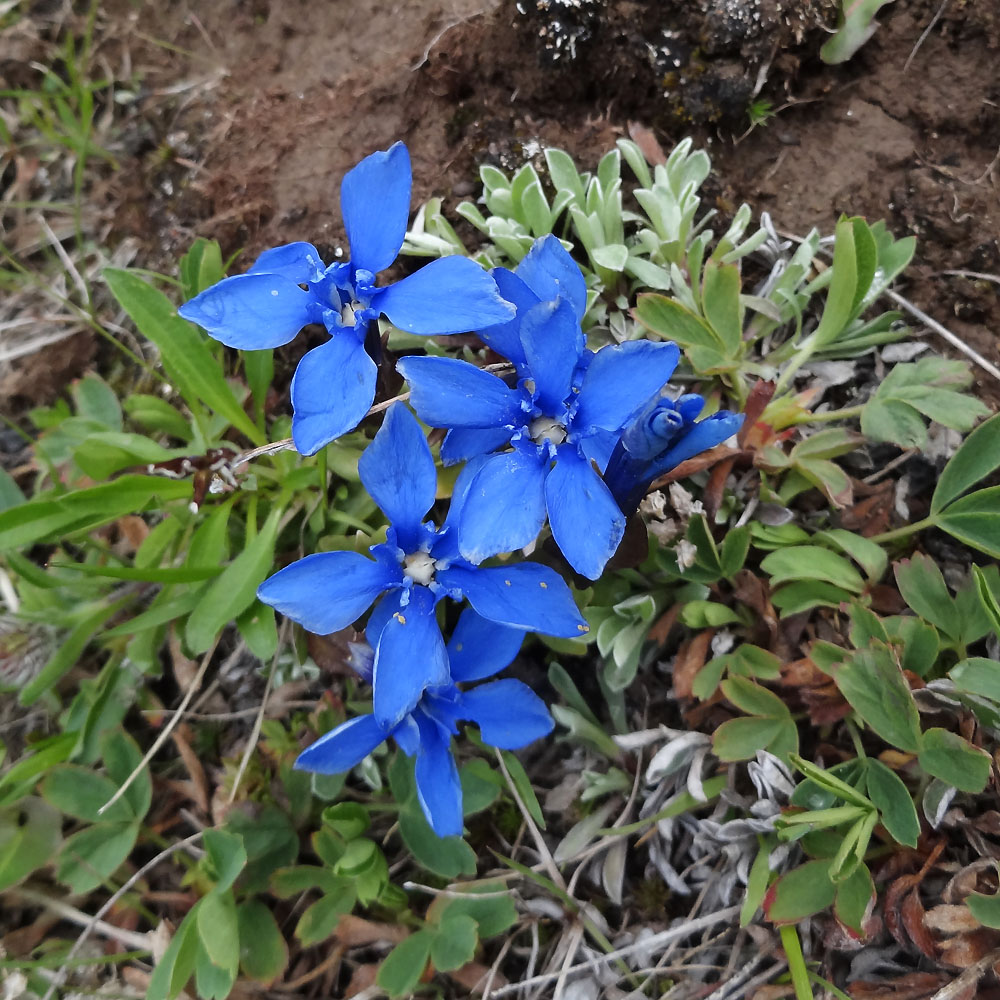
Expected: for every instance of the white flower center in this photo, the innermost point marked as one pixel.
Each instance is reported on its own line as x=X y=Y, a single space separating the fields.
x=347 y=313
x=547 y=427
x=419 y=567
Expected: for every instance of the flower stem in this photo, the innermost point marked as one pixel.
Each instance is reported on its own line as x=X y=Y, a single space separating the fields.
x=847 y=413
x=905 y=531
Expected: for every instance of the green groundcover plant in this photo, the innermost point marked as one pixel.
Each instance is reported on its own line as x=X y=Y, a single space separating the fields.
x=456 y=494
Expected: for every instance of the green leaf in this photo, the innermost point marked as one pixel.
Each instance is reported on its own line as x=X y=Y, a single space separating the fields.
x=840 y=297
x=121 y=756
x=754 y=699
x=259 y=631
x=760 y=874
x=454 y=942
x=977 y=675
x=185 y=355
x=986 y=909
x=721 y=298
x=923 y=588
x=399 y=974
x=802 y=892
x=522 y=783
x=930 y=387
x=225 y=857
x=89 y=858
x=21 y=778
x=201 y=267
x=102 y=454
x=974 y=520
x=978 y=456
x=288 y=882
x=178 y=963
x=211 y=981
x=796 y=597
x=320 y=919
x=857 y=25
x=55 y=519
x=218 y=929
x=740 y=739
x=867 y=554
x=80 y=792
x=493 y=911
x=157 y=415
x=234 y=589
x=29 y=839
x=889 y=794
x=10 y=492
x=706 y=614
x=854 y=894
x=947 y=756
x=263 y=951
x=672 y=321
x=811 y=562
x=94 y=399
x=875 y=688
x=348 y=819
x=987 y=597
x=68 y=654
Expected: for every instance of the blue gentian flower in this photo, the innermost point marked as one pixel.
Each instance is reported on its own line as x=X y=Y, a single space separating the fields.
x=508 y=713
x=288 y=287
x=567 y=410
x=664 y=434
x=412 y=570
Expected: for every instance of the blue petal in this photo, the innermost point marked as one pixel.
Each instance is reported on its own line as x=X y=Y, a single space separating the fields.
x=525 y=595
x=599 y=447
x=447 y=392
x=504 y=338
x=480 y=648
x=253 y=311
x=439 y=790
x=550 y=272
x=407 y=736
x=448 y=295
x=585 y=520
x=332 y=390
x=509 y=714
x=462 y=443
x=410 y=657
x=445 y=545
x=504 y=508
x=620 y=379
x=397 y=469
x=341 y=748
x=553 y=343
x=375 y=205
x=703 y=435
x=382 y=612
x=299 y=262
x=327 y=591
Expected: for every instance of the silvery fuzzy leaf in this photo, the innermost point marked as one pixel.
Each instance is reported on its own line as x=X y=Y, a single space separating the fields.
x=582 y=989
x=936 y=800
x=660 y=861
x=540 y=906
x=876 y=960
x=644 y=737
x=722 y=642
x=675 y=755
x=742 y=829
x=694 y=783
x=831 y=373
x=905 y=350
x=613 y=870
x=594 y=915
x=771 y=776
x=773 y=515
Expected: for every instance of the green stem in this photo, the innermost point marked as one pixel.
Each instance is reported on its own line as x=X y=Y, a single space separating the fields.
x=847 y=413
x=904 y=532
x=796 y=962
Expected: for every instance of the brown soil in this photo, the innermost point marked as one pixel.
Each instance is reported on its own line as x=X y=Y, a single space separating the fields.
x=246 y=138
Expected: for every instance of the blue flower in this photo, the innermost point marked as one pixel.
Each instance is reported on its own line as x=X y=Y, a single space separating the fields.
x=508 y=713
x=416 y=567
x=664 y=434
x=288 y=287
x=567 y=410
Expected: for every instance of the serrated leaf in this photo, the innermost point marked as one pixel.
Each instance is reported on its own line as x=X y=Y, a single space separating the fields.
x=875 y=688
x=948 y=756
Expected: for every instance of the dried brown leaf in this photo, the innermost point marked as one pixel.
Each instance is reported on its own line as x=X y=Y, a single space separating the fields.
x=690 y=659
x=643 y=137
x=353 y=932
x=474 y=977
x=912 y=915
